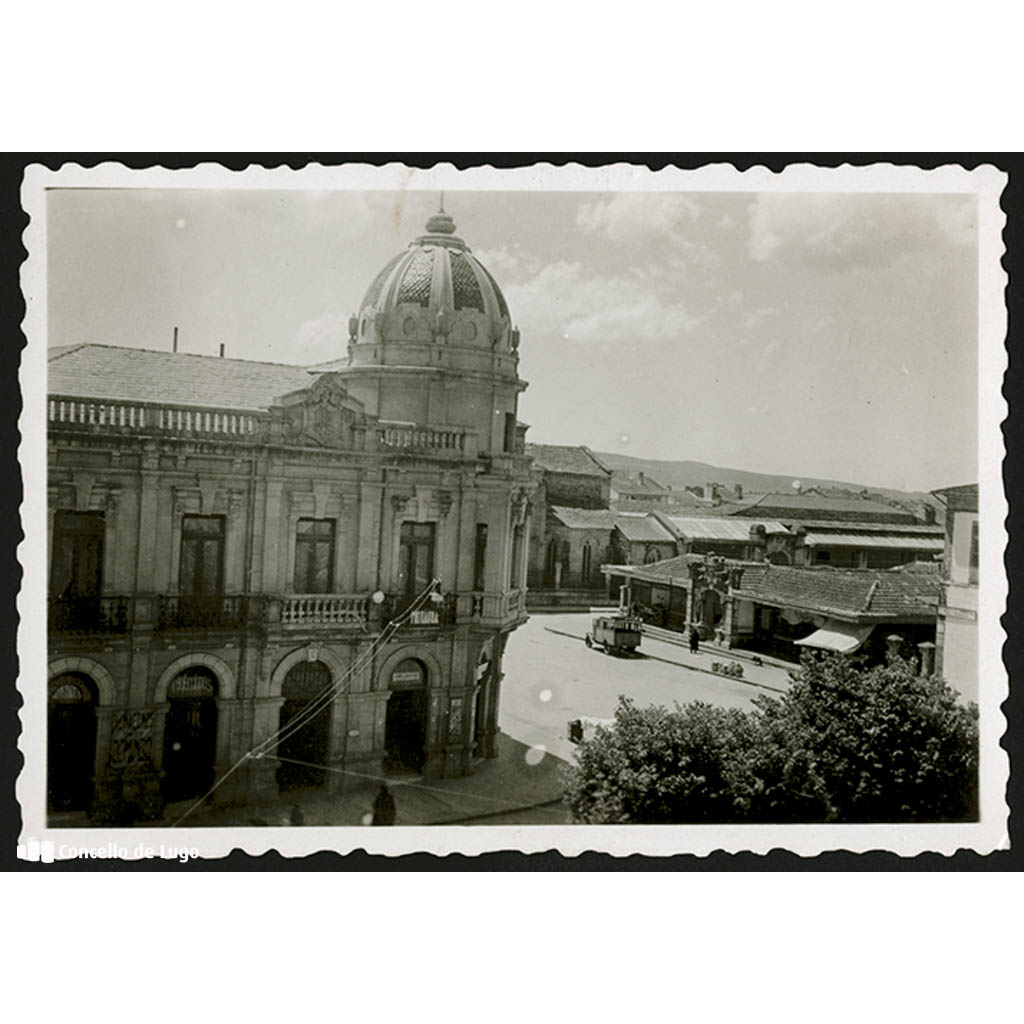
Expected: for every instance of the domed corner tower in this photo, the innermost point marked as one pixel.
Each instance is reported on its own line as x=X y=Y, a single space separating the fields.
x=433 y=343
x=432 y=356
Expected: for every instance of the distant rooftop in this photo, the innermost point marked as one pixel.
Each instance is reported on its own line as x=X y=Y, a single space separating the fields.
x=721 y=528
x=558 y=458
x=963 y=498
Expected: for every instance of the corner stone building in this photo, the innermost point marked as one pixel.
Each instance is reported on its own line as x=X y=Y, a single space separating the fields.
x=230 y=539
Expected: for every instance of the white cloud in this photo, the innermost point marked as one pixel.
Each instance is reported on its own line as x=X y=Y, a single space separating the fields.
x=635 y=216
x=833 y=232
x=320 y=340
x=566 y=300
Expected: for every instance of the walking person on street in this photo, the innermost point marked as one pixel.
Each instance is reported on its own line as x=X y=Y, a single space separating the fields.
x=694 y=640
x=384 y=806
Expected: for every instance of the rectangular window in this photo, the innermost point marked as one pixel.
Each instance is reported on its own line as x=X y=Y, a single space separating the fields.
x=514 y=567
x=510 y=432
x=823 y=556
x=415 y=558
x=77 y=565
x=972 y=565
x=76 y=569
x=480 y=556
x=314 y=556
x=201 y=573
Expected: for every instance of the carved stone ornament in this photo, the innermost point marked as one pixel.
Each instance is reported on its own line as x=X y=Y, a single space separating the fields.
x=131 y=739
x=322 y=414
x=400 y=503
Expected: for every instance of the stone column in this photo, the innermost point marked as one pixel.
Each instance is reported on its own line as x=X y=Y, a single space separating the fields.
x=262 y=771
x=226 y=755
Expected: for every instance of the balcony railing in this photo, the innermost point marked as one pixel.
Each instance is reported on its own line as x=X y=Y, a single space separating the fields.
x=325 y=609
x=208 y=611
x=112 y=416
x=118 y=417
x=90 y=615
x=408 y=437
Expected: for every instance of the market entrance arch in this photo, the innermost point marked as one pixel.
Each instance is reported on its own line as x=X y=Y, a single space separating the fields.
x=190 y=734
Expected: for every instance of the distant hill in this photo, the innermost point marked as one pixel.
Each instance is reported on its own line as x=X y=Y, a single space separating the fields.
x=682 y=474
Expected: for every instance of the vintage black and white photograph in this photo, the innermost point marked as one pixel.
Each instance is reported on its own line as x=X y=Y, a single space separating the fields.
x=431 y=510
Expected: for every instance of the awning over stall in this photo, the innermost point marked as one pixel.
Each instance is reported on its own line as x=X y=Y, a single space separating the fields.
x=837 y=636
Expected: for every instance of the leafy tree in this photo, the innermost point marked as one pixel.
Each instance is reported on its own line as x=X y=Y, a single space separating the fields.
x=844 y=744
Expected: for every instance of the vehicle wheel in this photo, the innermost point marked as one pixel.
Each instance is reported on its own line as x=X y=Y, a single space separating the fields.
x=588 y=641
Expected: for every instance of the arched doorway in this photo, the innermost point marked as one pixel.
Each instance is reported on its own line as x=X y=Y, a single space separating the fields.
x=711 y=609
x=71 y=742
x=405 y=728
x=304 y=739
x=190 y=734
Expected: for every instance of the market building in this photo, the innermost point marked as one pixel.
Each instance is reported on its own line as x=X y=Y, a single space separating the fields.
x=323 y=562
x=780 y=609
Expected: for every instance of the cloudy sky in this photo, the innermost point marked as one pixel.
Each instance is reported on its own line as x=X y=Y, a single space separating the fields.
x=828 y=335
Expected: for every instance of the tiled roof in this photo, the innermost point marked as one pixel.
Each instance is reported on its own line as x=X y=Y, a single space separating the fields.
x=585 y=518
x=847 y=593
x=643 y=529
x=176 y=378
x=697 y=528
x=624 y=483
x=819 y=503
x=559 y=458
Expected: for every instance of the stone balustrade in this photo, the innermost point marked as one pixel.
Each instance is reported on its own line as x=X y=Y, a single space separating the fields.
x=408 y=437
x=325 y=609
x=118 y=417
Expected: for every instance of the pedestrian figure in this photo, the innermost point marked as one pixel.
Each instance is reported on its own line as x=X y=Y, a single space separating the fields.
x=384 y=806
x=694 y=640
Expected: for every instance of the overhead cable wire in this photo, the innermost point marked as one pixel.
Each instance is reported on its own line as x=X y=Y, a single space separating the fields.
x=321 y=701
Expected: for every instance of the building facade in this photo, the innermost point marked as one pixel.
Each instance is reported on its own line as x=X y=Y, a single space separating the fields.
x=323 y=564
x=957 y=640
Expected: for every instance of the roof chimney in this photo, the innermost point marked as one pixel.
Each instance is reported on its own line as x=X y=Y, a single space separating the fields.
x=640 y=477
x=174 y=345
x=738 y=488
x=222 y=350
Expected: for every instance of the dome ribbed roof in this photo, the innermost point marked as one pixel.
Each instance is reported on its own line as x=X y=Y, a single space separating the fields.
x=438 y=272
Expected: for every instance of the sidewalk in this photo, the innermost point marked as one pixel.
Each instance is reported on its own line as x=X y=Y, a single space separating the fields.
x=509 y=786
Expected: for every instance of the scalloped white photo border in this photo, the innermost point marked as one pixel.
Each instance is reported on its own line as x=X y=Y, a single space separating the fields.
x=988 y=834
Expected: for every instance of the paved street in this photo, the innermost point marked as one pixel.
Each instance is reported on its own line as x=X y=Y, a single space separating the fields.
x=551 y=677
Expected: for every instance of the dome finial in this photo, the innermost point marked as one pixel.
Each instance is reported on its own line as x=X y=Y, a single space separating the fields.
x=441 y=223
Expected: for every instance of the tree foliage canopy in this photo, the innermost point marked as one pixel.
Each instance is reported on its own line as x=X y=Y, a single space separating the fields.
x=844 y=744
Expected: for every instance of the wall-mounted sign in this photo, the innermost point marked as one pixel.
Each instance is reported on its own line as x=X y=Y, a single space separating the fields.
x=408 y=675
x=194 y=685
